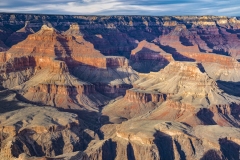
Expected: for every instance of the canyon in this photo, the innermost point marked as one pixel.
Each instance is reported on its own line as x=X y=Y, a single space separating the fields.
x=119 y=87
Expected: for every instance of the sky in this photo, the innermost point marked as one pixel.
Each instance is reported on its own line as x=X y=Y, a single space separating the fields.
x=123 y=7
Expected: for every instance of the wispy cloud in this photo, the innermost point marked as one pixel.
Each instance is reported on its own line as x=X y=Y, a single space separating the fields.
x=124 y=7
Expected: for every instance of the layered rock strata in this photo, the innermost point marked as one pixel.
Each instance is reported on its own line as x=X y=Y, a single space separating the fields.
x=62 y=53
x=179 y=92
x=85 y=65
x=57 y=87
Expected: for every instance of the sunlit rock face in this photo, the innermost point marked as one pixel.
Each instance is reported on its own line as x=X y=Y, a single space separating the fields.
x=119 y=87
x=180 y=92
x=48 y=58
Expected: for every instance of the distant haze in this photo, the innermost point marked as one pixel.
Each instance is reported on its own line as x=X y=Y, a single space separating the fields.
x=124 y=7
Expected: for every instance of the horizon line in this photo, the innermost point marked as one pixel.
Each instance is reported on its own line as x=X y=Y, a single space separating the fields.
x=116 y=15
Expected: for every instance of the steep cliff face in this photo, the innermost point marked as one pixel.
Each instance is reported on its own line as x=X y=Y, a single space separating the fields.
x=135 y=103
x=144 y=97
x=16 y=70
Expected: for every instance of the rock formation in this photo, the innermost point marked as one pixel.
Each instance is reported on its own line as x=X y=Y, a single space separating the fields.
x=149 y=57
x=179 y=92
x=37 y=130
x=119 y=87
x=57 y=87
x=20 y=34
x=154 y=139
x=62 y=53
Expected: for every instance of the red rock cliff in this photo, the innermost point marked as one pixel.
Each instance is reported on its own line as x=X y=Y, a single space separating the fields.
x=134 y=95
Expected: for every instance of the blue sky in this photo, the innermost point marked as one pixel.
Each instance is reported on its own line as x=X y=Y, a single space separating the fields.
x=124 y=7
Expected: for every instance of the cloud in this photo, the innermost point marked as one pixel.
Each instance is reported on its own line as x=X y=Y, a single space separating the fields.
x=124 y=7
x=3 y=3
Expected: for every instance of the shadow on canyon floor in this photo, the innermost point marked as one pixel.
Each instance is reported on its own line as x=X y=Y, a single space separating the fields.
x=112 y=42
x=185 y=41
x=164 y=144
x=145 y=64
x=211 y=155
x=201 y=68
x=176 y=55
x=230 y=149
x=90 y=120
x=130 y=152
x=206 y=116
x=231 y=88
x=8 y=105
x=109 y=151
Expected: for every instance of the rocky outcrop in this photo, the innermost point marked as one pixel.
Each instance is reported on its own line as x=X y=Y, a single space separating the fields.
x=181 y=92
x=50 y=44
x=149 y=57
x=74 y=30
x=59 y=67
x=63 y=90
x=116 y=61
x=151 y=139
x=74 y=155
x=39 y=132
x=20 y=34
x=149 y=51
x=18 y=63
x=144 y=97
x=58 y=88
x=113 y=90
x=112 y=81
